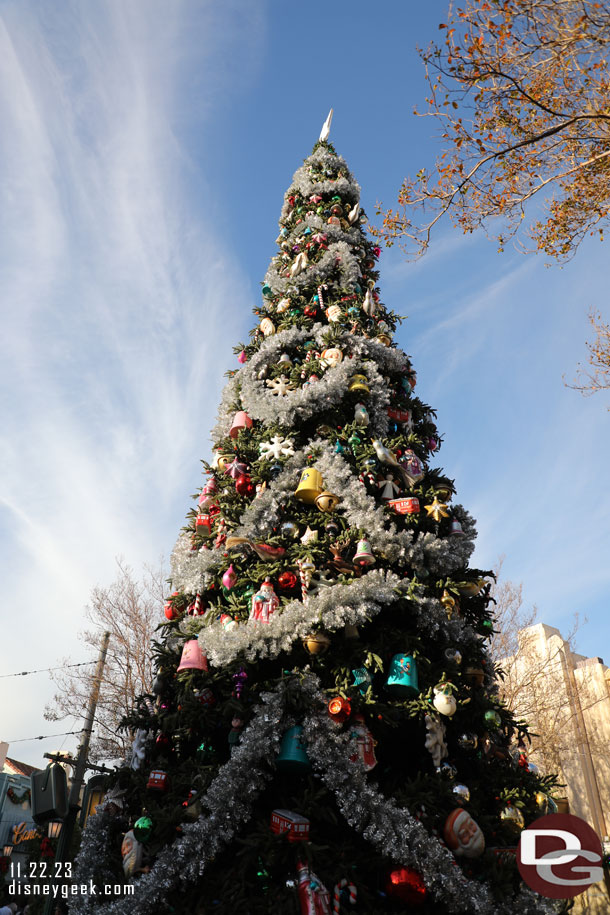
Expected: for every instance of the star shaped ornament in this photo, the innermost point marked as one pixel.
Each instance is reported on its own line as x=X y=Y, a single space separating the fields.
x=437 y=510
x=310 y=536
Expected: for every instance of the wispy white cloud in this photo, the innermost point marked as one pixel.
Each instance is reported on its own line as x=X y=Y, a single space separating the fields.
x=116 y=289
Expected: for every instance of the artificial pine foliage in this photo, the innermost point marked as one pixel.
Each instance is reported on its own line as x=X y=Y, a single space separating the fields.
x=325 y=559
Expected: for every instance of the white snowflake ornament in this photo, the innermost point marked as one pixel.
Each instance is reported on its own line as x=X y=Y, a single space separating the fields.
x=280 y=386
x=278 y=447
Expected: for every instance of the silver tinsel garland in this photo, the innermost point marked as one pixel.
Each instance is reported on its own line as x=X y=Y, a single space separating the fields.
x=346 y=187
x=338 y=603
x=245 y=389
x=228 y=804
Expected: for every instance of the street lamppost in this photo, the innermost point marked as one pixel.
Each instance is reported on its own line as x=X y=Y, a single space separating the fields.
x=54 y=829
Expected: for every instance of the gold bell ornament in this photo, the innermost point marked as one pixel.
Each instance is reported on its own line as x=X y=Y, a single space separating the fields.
x=327 y=501
x=310 y=486
x=316 y=642
x=359 y=383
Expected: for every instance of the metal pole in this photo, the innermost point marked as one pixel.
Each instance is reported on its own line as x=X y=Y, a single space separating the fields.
x=67 y=826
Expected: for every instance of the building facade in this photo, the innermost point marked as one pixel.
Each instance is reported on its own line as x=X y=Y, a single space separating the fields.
x=565 y=698
x=16 y=823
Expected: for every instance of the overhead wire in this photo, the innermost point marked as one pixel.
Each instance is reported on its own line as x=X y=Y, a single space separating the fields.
x=43 y=670
x=43 y=737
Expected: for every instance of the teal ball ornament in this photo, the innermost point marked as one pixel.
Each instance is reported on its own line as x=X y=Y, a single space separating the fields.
x=143 y=828
x=492 y=719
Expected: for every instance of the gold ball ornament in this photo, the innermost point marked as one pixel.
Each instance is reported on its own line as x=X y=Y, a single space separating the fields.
x=512 y=820
x=316 y=643
x=545 y=804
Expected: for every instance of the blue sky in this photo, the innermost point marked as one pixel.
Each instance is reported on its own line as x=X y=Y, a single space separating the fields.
x=145 y=148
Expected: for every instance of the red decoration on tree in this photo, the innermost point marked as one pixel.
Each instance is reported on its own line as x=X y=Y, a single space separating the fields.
x=171 y=612
x=244 y=485
x=407 y=885
x=158 y=780
x=339 y=708
x=286 y=581
x=46 y=848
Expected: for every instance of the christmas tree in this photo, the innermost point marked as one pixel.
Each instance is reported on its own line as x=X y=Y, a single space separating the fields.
x=325 y=734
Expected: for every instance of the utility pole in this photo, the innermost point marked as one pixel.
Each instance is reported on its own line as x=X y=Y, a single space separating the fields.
x=67 y=826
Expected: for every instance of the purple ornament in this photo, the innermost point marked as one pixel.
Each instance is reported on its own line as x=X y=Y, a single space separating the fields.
x=240 y=681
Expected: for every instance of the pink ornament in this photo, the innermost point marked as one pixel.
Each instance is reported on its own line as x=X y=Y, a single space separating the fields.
x=229 y=578
x=432 y=444
x=236 y=469
x=242 y=357
x=264 y=603
x=241 y=420
x=207 y=494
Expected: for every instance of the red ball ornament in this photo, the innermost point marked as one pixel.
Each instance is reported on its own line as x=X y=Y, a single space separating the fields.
x=407 y=885
x=244 y=485
x=171 y=612
x=287 y=581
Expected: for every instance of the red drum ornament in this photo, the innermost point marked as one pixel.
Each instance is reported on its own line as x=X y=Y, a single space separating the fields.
x=295 y=826
x=409 y=506
x=399 y=416
x=158 y=780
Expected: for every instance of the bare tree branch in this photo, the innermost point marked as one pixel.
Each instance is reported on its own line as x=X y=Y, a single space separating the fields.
x=130 y=610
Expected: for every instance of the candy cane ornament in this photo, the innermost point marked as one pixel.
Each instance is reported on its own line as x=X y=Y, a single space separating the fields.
x=339 y=887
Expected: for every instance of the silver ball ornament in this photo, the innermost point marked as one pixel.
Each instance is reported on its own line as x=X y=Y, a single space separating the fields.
x=467 y=741
x=461 y=794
